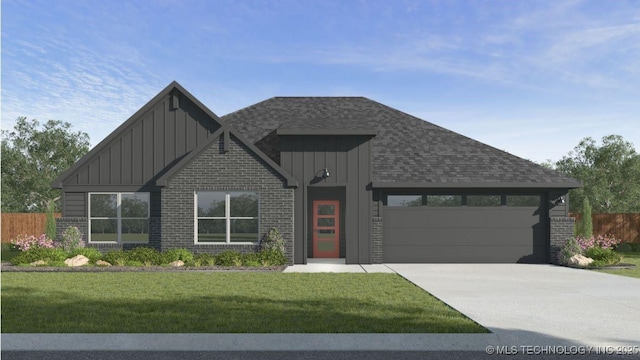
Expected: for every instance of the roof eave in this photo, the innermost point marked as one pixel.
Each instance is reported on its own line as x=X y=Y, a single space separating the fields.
x=476 y=185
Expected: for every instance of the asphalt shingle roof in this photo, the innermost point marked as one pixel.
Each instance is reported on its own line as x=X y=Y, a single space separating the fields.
x=406 y=149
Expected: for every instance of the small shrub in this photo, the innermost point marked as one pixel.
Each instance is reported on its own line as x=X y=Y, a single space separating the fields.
x=134 y=263
x=586 y=225
x=251 y=259
x=117 y=257
x=229 y=258
x=26 y=242
x=204 y=260
x=272 y=240
x=49 y=255
x=569 y=249
x=272 y=258
x=172 y=255
x=145 y=255
x=71 y=239
x=91 y=253
x=603 y=257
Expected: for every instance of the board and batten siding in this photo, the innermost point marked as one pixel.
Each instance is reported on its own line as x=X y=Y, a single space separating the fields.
x=141 y=152
x=348 y=159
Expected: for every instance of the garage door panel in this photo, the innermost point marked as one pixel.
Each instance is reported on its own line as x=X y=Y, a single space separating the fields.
x=463 y=254
x=464 y=234
x=460 y=236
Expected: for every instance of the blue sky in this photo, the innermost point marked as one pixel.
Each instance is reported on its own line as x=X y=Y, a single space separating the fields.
x=528 y=77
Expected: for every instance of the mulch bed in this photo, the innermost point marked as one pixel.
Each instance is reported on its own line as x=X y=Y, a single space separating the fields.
x=7 y=267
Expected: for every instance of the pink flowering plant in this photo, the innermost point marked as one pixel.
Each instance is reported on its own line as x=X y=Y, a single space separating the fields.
x=606 y=241
x=26 y=242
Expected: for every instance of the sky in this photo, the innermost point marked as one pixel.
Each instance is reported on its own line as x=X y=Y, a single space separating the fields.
x=532 y=78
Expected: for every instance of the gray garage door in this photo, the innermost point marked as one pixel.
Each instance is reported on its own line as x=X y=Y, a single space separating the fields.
x=424 y=234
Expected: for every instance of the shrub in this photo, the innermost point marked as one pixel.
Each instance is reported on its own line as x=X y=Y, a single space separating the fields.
x=272 y=240
x=606 y=241
x=229 y=258
x=145 y=255
x=569 y=249
x=251 y=259
x=602 y=256
x=204 y=260
x=50 y=225
x=172 y=255
x=71 y=239
x=26 y=242
x=49 y=255
x=272 y=258
x=91 y=253
x=117 y=257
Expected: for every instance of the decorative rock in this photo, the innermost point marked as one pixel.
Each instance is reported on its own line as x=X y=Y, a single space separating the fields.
x=102 y=263
x=177 y=263
x=77 y=260
x=38 y=263
x=580 y=260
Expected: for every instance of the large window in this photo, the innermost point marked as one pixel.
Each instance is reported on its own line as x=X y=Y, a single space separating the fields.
x=119 y=217
x=226 y=217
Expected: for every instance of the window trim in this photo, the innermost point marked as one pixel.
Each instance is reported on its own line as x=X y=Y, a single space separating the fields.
x=118 y=217
x=227 y=217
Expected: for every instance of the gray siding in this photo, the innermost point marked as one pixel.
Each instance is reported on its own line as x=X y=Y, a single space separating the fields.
x=348 y=159
x=148 y=146
x=75 y=204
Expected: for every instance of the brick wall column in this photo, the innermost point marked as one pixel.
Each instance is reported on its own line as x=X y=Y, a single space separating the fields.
x=561 y=229
x=376 y=240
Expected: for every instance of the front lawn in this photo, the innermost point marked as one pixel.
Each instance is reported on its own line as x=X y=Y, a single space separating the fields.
x=192 y=302
x=629 y=259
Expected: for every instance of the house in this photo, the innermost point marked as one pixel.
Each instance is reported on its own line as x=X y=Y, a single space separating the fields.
x=339 y=177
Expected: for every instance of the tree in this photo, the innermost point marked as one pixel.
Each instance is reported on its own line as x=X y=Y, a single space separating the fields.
x=32 y=158
x=585 y=228
x=610 y=174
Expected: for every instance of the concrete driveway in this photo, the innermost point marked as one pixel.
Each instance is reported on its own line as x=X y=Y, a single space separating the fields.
x=535 y=305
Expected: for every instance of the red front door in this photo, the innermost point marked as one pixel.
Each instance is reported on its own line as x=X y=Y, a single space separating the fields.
x=326 y=228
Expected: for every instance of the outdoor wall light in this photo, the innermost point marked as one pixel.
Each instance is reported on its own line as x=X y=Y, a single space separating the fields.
x=325 y=173
x=558 y=201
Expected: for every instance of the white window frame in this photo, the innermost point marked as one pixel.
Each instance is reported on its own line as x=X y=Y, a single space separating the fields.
x=227 y=217
x=118 y=217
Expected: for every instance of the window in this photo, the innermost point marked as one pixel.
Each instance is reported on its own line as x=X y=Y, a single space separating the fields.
x=119 y=217
x=404 y=200
x=484 y=200
x=226 y=217
x=444 y=200
x=523 y=200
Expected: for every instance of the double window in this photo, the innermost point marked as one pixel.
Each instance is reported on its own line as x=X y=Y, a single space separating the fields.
x=226 y=217
x=119 y=217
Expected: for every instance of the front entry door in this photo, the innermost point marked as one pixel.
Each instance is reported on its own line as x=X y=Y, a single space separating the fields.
x=326 y=229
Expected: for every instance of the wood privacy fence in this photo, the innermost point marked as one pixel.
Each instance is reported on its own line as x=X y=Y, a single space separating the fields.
x=14 y=224
x=623 y=226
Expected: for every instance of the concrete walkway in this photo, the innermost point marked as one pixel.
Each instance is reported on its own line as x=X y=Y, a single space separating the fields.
x=336 y=266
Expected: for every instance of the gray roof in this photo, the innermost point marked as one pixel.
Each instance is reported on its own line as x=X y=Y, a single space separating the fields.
x=406 y=150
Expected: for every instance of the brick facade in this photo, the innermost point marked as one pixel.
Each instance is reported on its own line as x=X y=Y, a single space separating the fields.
x=213 y=169
x=376 y=240
x=561 y=229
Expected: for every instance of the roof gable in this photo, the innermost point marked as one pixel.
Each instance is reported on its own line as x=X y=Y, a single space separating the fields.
x=406 y=151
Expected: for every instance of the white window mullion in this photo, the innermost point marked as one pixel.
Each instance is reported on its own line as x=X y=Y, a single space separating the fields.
x=119 y=217
x=227 y=214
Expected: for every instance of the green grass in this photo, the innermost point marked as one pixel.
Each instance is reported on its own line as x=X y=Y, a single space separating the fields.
x=7 y=253
x=629 y=258
x=222 y=303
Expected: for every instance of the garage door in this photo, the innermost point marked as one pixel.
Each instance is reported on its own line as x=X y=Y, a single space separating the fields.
x=463 y=234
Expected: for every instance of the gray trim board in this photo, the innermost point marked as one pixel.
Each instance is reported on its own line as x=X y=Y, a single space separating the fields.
x=332 y=132
x=478 y=185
